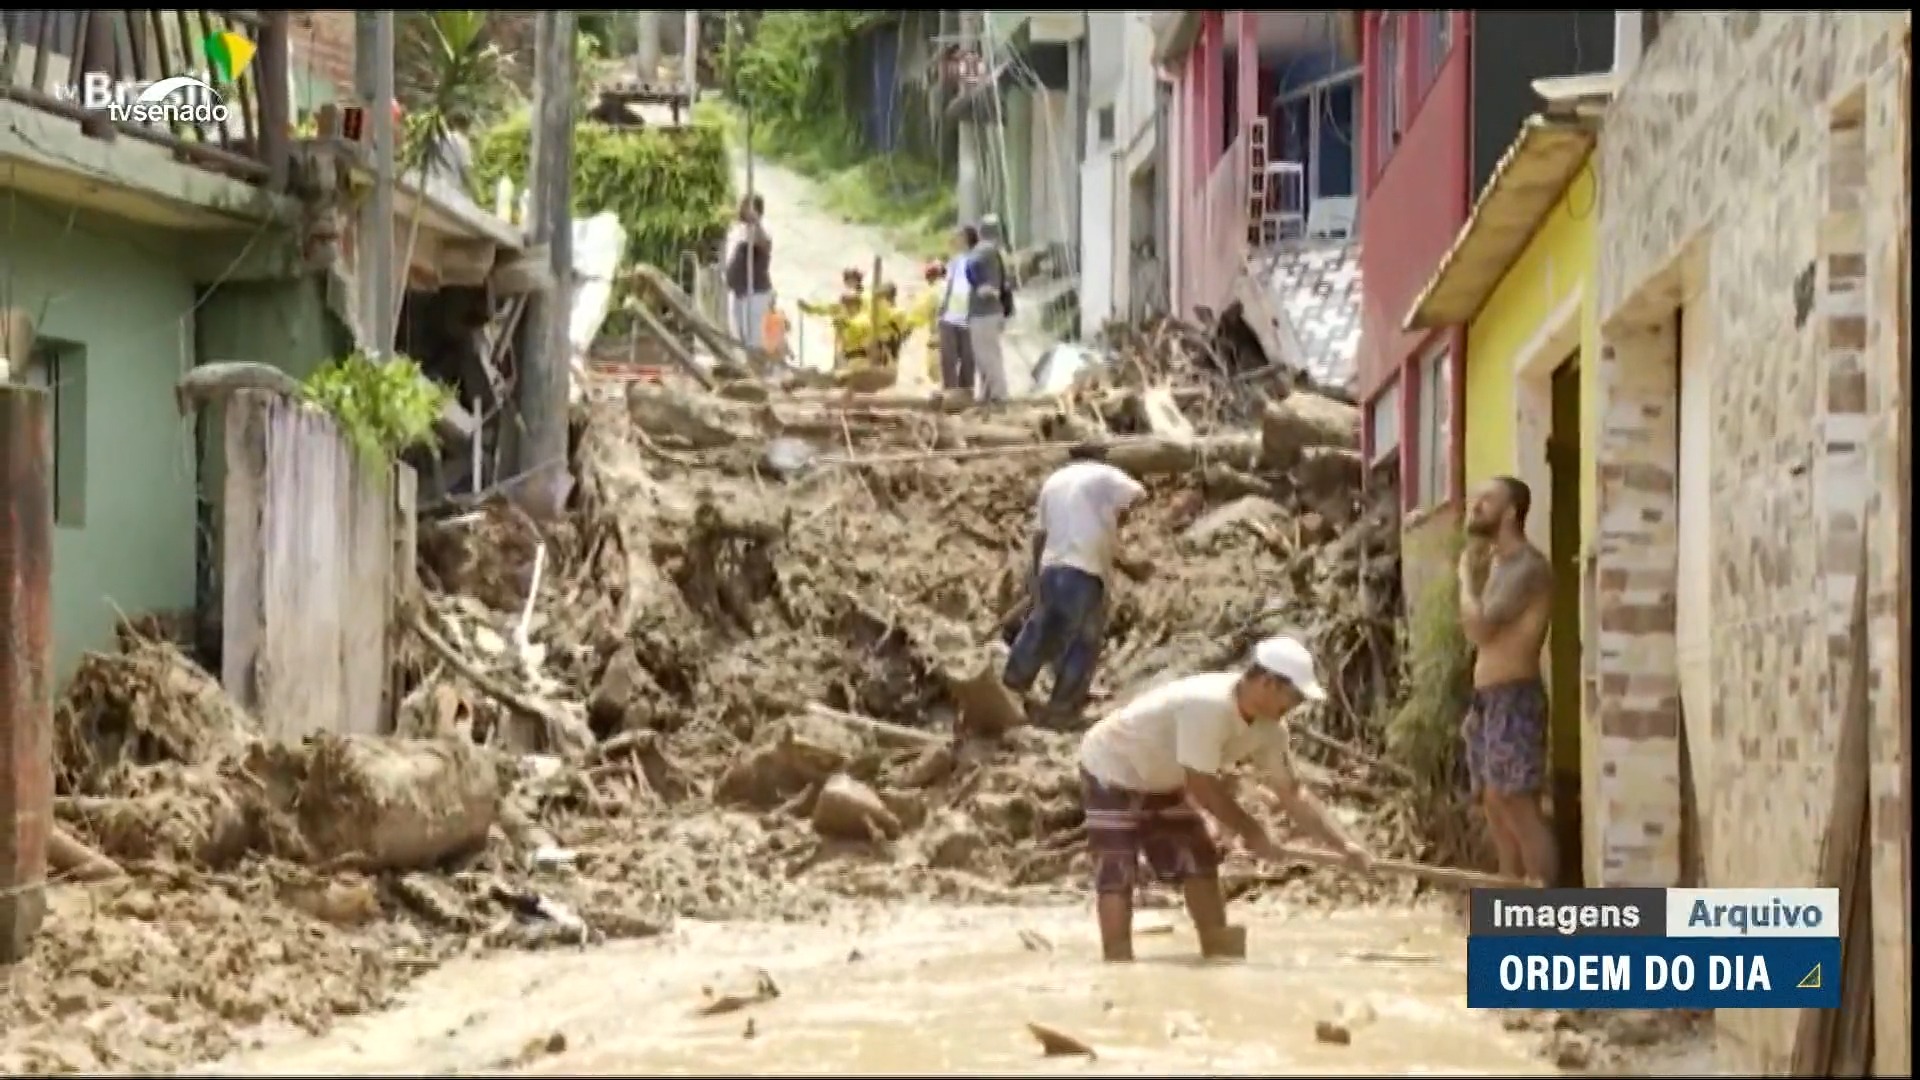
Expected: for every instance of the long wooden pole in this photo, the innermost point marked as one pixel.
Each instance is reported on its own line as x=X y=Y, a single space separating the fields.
x=545 y=365
x=1447 y=876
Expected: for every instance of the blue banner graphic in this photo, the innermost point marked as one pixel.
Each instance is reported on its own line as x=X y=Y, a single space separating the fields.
x=1573 y=971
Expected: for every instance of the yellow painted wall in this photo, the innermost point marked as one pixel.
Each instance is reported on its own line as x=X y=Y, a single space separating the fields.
x=1544 y=305
x=1557 y=264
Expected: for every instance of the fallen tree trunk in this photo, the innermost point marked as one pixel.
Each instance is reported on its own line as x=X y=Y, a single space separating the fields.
x=396 y=804
x=951 y=401
x=884 y=732
x=1153 y=457
x=672 y=418
x=1303 y=420
x=75 y=861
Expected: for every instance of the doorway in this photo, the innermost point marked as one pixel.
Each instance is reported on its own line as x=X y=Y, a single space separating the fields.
x=1563 y=638
x=1693 y=629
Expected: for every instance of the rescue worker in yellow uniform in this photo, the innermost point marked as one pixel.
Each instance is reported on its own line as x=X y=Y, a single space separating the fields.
x=855 y=346
x=891 y=322
x=920 y=315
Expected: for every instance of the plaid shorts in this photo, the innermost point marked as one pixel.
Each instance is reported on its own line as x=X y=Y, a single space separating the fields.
x=1125 y=826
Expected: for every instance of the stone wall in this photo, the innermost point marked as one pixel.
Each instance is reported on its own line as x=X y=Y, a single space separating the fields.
x=1752 y=171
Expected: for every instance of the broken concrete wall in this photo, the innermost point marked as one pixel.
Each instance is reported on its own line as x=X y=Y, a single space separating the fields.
x=1752 y=209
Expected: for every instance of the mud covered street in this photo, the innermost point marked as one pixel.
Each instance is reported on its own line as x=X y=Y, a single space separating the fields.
x=922 y=989
x=740 y=710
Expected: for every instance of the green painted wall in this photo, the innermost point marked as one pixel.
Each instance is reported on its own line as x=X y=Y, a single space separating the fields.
x=123 y=299
x=117 y=294
x=283 y=323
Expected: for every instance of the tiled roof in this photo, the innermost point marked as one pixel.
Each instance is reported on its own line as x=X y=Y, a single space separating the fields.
x=1315 y=286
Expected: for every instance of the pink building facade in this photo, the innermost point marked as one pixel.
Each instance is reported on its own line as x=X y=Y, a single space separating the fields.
x=1210 y=161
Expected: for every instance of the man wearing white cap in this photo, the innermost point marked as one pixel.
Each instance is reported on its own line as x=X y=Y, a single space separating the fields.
x=1148 y=769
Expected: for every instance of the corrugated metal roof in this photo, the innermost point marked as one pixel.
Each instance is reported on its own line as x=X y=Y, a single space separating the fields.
x=1529 y=178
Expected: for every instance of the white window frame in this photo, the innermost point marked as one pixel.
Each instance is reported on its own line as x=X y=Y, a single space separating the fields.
x=1386 y=136
x=1383 y=422
x=1433 y=464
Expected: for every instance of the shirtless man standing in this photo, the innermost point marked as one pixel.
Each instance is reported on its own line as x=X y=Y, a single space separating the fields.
x=1506 y=587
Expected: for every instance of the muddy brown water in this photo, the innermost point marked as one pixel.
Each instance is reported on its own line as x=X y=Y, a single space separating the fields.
x=918 y=989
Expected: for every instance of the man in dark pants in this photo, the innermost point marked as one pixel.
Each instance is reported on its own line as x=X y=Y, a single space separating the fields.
x=1074 y=555
x=956 y=343
x=749 y=272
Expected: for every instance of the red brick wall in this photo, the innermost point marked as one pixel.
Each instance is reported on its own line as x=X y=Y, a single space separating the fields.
x=323 y=49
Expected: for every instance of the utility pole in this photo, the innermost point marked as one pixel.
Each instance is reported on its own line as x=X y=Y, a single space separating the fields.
x=646 y=58
x=1078 y=62
x=26 y=667
x=746 y=107
x=378 y=297
x=546 y=358
x=690 y=57
x=967 y=188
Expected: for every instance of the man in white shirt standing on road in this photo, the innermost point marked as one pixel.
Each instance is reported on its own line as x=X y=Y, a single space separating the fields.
x=956 y=345
x=1075 y=551
x=1148 y=769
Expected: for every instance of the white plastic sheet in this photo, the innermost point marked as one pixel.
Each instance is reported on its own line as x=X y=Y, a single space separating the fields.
x=1060 y=365
x=598 y=242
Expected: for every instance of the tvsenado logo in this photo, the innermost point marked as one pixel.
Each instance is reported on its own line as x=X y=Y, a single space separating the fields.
x=177 y=99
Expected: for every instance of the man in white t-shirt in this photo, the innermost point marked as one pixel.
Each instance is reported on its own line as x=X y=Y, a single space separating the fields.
x=1075 y=551
x=1150 y=767
x=956 y=345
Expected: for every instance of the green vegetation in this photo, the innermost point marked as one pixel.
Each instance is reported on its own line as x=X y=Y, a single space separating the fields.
x=795 y=75
x=452 y=77
x=1423 y=734
x=385 y=408
x=671 y=188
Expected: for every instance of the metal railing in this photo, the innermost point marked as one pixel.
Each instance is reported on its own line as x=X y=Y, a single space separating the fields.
x=45 y=56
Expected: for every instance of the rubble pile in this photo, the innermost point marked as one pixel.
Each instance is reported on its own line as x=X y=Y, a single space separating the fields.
x=776 y=612
x=752 y=674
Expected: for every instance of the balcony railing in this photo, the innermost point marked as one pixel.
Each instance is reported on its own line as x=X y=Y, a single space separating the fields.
x=45 y=56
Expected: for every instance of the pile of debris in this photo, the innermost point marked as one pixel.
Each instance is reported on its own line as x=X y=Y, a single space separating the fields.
x=791 y=606
x=753 y=674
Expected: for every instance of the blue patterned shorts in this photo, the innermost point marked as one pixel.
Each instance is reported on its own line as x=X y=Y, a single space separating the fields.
x=1506 y=738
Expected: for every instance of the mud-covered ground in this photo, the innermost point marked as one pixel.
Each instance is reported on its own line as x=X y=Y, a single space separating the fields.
x=734 y=698
x=916 y=988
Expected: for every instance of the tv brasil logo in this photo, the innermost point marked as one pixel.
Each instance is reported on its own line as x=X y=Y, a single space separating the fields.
x=176 y=99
